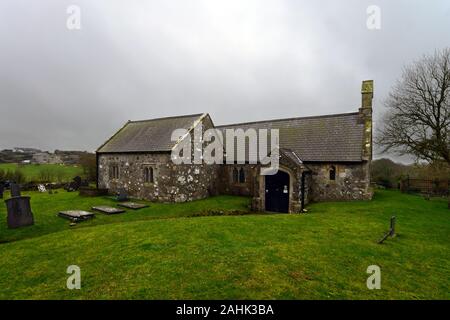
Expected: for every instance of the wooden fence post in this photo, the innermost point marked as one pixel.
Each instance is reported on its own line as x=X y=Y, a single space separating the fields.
x=392 y=230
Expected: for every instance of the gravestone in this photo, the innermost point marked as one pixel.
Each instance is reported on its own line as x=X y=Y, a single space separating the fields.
x=108 y=210
x=132 y=205
x=84 y=183
x=2 y=189
x=15 y=190
x=122 y=196
x=76 y=215
x=19 y=212
x=41 y=188
x=75 y=184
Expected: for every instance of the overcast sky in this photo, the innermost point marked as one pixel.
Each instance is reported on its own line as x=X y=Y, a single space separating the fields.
x=238 y=60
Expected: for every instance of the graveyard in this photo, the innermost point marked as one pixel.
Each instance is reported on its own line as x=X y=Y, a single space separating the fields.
x=215 y=249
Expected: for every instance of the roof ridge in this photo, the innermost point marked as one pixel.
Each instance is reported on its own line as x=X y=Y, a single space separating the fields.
x=292 y=118
x=164 y=118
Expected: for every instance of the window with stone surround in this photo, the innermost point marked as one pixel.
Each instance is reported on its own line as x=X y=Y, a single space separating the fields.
x=148 y=175
x=235 y=175
x=238 y=175
x=242 y=175
x=114 y=171
x=333 y=173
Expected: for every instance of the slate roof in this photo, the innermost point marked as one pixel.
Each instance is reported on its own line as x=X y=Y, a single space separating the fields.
x=291 y=155
x=152 y=135
x=330 y=138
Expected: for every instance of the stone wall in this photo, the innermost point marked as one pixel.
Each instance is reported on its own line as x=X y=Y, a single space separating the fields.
x=352 y=182
x=179 y=183
x=172 y=183
x=254 y=185
x=308 y=182
x=228 y=186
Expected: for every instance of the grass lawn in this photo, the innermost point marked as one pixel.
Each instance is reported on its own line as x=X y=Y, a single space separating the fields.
x=163 y=253
x=33 y=172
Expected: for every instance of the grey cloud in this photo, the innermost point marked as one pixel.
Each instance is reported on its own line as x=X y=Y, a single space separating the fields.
x=237 y=60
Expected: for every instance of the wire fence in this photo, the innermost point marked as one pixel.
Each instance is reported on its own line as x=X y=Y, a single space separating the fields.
x=437 y=187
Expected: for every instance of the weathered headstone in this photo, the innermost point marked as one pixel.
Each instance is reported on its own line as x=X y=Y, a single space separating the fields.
x=41 y=188
x=122 y=196
x=19 y=212
x=15 y=190
x=108 y=210
x=77 y=182
x=132 y=205
x=84 y=183
x=76 y=215
x=74 y=185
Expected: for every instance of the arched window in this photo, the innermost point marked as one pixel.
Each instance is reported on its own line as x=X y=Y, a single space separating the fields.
x=333 y=173
x=148 y=175
x=241 y=175
x=235 y=175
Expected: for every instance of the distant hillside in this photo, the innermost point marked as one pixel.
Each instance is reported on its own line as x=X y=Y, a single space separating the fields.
x=19 y=155
x=16 y=156
x=387 y=173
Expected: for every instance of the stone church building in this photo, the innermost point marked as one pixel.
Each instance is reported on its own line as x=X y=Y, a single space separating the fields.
x=322 y=158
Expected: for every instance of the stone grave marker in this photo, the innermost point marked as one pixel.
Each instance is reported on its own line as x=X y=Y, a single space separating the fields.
x=76 y=215
x=122 y=196
x=19 y=212
x=77 y=182
x=108 y=210
x=15 y=190
x=74 y=185
x=132 y=205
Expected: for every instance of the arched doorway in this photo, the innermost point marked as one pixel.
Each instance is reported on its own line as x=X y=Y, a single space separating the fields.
x=277 y=192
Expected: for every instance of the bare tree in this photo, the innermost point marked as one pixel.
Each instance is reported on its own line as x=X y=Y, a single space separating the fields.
x=418 y=118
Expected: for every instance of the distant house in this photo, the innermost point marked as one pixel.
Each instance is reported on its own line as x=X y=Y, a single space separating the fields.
x=322 y=158
x=45 y=158
x=70 y=157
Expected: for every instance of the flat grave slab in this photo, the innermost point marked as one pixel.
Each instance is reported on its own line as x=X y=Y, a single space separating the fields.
x=76 y=215
x=108 y=210
x=132 y=205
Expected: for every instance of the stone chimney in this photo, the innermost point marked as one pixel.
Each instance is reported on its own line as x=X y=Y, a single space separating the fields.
x=365 y=117
x=367 y=94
